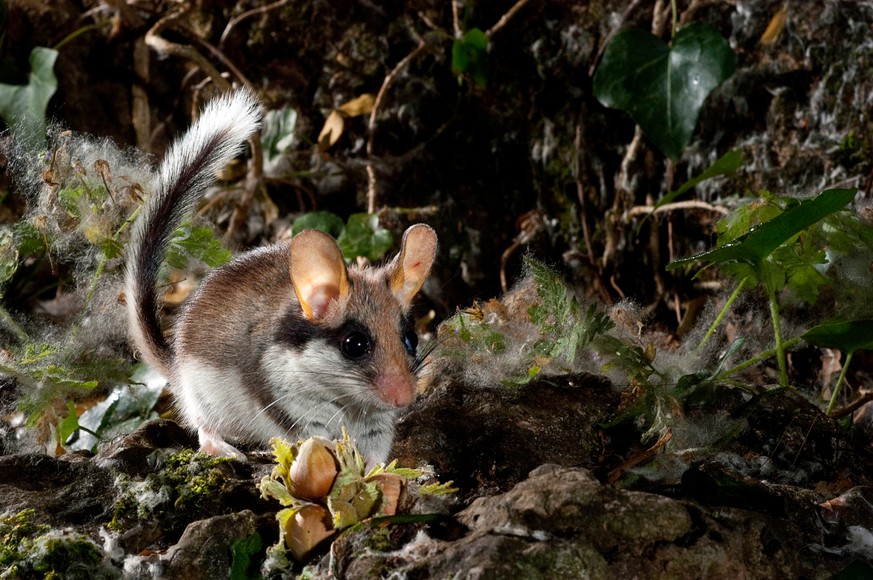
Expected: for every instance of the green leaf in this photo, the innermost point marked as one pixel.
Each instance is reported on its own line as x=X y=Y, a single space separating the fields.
x=324 y=221
x=470 y=56
x=111 y=248
x=363 y=236
x=847 y=336
x=244 y=554
x=663 y=88
x=69 y=424
x=762 y=240
x=23 y=107
x=29 y=239
x=726 y=164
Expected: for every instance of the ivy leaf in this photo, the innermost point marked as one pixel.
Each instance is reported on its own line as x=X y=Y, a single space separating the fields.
x=663 y=88
x=324 y=221
x=24 y=106
x=363 y=236
x=470 y=56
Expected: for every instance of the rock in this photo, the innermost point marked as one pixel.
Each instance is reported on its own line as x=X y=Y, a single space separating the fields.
x=562 y=523
x=483 y=437
x=129 y=453
x=207 y=549
x=570 y=503
x=64 y=492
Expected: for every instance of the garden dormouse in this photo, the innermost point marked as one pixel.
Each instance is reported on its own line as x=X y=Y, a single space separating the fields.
x=283 y=340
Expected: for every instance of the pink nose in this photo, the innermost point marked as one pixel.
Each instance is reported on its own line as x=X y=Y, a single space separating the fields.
x=395 y=390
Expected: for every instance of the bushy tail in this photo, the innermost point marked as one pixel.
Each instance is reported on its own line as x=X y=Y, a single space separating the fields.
x=188 y=169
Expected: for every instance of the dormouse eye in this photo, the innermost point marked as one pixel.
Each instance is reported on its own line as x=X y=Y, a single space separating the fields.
x=356 y=344
x=410 y=341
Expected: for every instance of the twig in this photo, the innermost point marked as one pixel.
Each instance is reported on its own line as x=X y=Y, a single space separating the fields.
x=852 y=407
x=249 y=13
x=161 y=45
x=254 y=182
x=675 y=206
x=805 y=439
x=580 y=189
x=371 y=126
x=505 y=18
x=646 y=455
x=622 y=189
x=224 y=60
x=158 y=43
x=583 y=210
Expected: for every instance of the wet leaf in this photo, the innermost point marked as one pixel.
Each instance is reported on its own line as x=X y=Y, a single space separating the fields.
x=762 y=240
x=663 y=88
x=70 y=423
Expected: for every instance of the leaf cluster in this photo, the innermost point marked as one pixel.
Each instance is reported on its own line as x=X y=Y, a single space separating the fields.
x=361 y=236
x=564 y=327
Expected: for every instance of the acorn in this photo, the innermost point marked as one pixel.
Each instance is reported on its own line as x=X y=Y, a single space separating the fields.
x=309 y=526
x=313 y=471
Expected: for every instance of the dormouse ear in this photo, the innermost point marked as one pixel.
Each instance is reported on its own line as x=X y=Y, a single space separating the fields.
x=412 y=264
x=318 y=272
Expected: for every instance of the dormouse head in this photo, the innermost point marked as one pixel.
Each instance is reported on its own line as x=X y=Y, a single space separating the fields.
x=366 y=310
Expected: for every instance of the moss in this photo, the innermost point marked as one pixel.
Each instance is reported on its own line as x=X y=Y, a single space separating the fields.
x=32 y=550
x=16 y=531
x=379 y=540
x=187 y=487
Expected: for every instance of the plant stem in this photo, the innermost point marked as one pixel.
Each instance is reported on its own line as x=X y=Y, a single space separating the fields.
x=675 y=19
x=777 y=332
x=723 y=313
x=833 y=401
x=757 y=359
